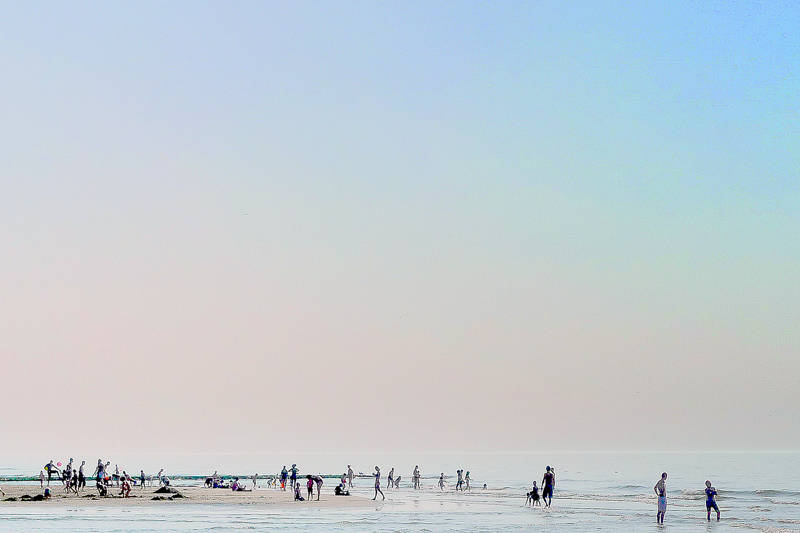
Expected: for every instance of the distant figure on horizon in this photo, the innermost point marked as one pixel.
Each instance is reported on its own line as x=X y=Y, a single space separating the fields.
x=441 y=481
x=415 y=477
x=350 y=476
x=660 y=489
x=710 y=501
x=378 y=484
x=548 y=482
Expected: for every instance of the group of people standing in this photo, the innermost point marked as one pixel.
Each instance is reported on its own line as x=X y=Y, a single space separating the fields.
x=548 y=484
x=74 y=479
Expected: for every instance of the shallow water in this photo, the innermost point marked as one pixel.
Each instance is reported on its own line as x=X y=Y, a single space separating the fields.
x=594 y=492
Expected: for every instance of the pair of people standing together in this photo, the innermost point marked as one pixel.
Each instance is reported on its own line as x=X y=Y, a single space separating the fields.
x=660 y=489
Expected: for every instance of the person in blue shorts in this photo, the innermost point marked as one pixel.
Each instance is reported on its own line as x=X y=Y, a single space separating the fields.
x=711 y=492
x=548 y=483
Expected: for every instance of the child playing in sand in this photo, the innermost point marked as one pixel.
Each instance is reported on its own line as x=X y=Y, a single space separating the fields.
x=297 y=496
x=711 y=492
x=126 y=488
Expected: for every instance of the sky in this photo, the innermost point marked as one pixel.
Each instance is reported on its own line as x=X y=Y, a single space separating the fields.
x=369 y=226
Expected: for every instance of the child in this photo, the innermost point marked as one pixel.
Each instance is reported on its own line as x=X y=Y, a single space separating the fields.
x=535 y=495
x=297 y=496
x=710 y=502
x=441 y=482
x=310 y=486
x=41 y=478
x=126 y=488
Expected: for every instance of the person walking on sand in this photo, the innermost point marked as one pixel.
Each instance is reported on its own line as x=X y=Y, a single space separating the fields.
x=710 y=501
x=660 y=489
x=350 y=476
x=548 y=483
x=415 y=477
x=460 y=482
x=378 y=484
x=41 y=479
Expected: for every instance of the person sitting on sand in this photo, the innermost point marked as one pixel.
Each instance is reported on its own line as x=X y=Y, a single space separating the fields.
x=341 y=490
x=710 y=501
x=101 y=488
x=297 y=496
x=126 y=488
x=236 y=486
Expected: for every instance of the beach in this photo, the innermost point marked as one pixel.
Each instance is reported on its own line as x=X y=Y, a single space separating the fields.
x=187 y=495
x=604 y=492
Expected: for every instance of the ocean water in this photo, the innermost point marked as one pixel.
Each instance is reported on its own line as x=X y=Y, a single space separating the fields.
x=594 y=492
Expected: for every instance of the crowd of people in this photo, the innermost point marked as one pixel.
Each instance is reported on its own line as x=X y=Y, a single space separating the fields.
x=74 y=480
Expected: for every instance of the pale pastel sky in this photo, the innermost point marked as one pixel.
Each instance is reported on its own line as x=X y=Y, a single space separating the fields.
x=400 y=225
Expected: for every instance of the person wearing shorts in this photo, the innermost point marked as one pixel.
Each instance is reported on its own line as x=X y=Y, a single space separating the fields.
x=548 y=482
x=660 y=489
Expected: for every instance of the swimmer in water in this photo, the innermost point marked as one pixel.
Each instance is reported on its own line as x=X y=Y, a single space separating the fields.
x=378 y=484
x=711 y=492
x=660 y=489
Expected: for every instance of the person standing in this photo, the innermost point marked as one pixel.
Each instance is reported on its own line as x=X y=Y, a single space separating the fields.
x=284 y=475
x=293 y=477
x=660 y=489
x=711 y=503
x=548 y=483
x=416 y=477
x=441 y=482
x=378 y=484
x=255 y=481
x=81 y=476
x=460 y=481
x=466 y=481
x=350 y=476
x=390 y=479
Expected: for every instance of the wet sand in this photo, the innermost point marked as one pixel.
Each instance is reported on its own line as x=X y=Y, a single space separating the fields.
x=190 y=495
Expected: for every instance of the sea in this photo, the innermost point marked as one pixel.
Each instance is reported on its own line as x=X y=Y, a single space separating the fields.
x=602 y=492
